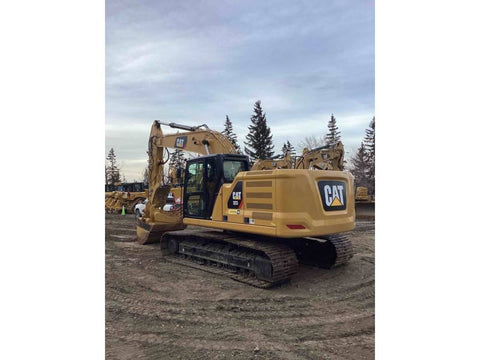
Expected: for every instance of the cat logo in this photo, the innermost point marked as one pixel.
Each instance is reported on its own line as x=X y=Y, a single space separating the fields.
x=237 y=195
x=181 y=141
x=235 y=199
x=333 y=194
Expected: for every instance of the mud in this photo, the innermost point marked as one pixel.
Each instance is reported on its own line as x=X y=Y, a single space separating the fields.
x=159 y=310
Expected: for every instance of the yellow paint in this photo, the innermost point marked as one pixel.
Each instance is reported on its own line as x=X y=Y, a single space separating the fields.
x=295 y=197
x=336 y=202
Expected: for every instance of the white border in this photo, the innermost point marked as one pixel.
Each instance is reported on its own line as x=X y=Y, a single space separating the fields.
x=52 y=146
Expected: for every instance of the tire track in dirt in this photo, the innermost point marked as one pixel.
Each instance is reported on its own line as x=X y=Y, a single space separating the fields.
x=156 y=310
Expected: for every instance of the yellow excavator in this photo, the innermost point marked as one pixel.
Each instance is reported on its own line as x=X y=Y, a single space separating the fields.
x=254 y=226
x=327 y=157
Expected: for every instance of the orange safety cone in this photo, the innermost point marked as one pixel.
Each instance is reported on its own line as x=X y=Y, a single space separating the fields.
x=123 y=209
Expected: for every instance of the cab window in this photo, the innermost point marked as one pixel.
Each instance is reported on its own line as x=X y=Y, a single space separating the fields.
x=231 y=168
x=195 y=177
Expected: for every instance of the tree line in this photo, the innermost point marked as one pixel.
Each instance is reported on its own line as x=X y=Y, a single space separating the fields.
x=363 y=163
x=112 y=170
x=259 y=145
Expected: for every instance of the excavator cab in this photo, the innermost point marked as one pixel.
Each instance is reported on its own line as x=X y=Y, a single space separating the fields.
x=204 y=177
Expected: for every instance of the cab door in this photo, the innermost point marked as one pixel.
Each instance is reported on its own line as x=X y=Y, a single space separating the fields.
x=195 y=202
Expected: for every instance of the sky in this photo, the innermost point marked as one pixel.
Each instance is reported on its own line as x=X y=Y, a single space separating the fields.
x=194 y=62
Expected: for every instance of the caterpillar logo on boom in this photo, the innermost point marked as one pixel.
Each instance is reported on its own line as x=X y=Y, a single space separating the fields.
x=333 y=194
x=181 y=142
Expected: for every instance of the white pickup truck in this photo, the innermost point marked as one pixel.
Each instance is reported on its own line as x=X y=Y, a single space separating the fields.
x=169 y=206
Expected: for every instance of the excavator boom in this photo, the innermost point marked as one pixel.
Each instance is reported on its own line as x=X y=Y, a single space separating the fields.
x=197 y=139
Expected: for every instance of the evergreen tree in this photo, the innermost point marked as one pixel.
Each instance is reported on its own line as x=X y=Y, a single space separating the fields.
x=360 y=166
x=176 y=161
x=259 y=143
x=369 y=141
x=112 y=170
x=230 y=135
x=145 y=176
x=181 y=161
x=288 y=148
x=172 y=163
x=291 y=148
x=333 y=135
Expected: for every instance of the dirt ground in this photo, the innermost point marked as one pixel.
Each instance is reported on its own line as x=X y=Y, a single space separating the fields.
x=159 y=310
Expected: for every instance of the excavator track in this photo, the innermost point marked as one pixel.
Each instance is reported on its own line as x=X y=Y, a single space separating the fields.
x=254 y=260
x=260 y=263
x=326 y=252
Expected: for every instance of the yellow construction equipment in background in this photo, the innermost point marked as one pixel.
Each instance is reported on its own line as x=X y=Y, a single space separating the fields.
x=125 y=195
x=327 y=157
x=364 y=204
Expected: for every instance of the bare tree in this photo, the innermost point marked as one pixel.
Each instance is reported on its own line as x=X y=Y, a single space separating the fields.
x=311 y=142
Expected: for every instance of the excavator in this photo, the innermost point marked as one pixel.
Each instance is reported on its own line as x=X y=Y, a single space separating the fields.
x=253 y=226
x=327 y=157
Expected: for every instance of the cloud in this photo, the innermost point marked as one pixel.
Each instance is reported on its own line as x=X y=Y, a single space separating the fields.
x=194 y=62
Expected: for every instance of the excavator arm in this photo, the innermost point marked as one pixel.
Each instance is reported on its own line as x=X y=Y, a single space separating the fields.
x=280 y=163
x=201 y=141
x=197 y=139
x=327 y=157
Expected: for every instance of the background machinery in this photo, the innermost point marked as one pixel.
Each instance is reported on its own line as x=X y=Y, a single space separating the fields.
x=327 y=157
x=276 y=163
x=125 y=195
x=254 y=225
x=364 y=204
